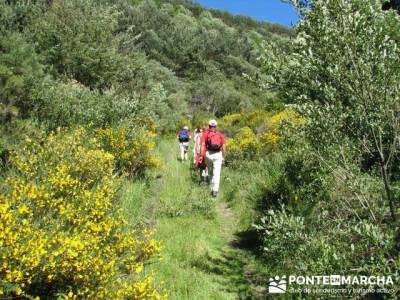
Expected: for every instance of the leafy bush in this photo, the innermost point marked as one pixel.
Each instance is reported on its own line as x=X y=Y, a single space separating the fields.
x=164 y=110
x=280 y=230
x=77 y=39
x=343 y=76
x=61 y=232
x=19 y=68
x=333 y=221
x=319 y=245
x=61 y=104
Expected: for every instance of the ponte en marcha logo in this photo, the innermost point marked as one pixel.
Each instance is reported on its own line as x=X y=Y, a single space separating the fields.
x=283 y=284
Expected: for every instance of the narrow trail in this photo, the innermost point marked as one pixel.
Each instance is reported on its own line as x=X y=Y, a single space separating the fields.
x=198 y=258
x=226 y=217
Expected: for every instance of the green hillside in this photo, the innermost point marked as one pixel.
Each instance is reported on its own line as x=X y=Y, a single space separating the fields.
x=192 y=60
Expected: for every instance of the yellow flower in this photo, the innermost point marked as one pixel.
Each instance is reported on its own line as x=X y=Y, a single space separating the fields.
x=59 y=219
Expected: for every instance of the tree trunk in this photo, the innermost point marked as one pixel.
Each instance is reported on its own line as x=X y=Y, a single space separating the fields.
x=388 y=190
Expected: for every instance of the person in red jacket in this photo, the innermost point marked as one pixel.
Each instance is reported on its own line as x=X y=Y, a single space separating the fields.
x=214 y=146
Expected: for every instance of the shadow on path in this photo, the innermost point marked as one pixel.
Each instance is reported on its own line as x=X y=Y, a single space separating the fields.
x=234 y=263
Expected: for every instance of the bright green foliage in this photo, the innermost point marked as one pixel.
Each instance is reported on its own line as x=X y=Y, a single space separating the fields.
x=339 y=170
x=163 y=110
x=332 y=249
x=196 y=45
x=156 y=60
x=19 y=68
x=76 y=38
x=63 y=104
x=282 y=231
x=343 y=74
x=343 y=77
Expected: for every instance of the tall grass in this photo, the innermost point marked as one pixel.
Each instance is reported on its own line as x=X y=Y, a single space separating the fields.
x=249 y=189
x=134 y=202
x=184 y=219
x=205 y=253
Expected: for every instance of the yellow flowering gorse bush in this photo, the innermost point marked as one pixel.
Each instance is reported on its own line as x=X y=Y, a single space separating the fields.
x=244 y=145
x=133 y=152
x=61 y=232
x=257 y=132
x=239 y=120
x=276 y=125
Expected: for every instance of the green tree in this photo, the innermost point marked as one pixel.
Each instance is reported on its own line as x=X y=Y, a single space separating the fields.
x=77 y=39
x=63 y=104
x=344 y=75
x=19 y=70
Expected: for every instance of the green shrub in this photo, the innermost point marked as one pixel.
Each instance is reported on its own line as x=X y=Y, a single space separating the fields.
x=282 y=235
x=319 y=245
x=77 y=39
x=61 y=104
x=20 y=69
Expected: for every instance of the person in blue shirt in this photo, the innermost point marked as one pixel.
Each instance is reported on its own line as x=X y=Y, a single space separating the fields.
x=184 y=137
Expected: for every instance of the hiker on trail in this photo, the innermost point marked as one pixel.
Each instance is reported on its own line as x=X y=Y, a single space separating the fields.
x=199 y=159
x=203 y=150
x=197 y=143
x=213 y=142
x=184 y=138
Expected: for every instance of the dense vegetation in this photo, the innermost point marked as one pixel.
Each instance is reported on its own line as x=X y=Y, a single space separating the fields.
x=85 y=86
x=90 y=92
x=146 y=58
x=330 y=194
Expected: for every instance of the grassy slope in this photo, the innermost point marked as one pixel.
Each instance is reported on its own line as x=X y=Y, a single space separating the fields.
x=198 y=260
